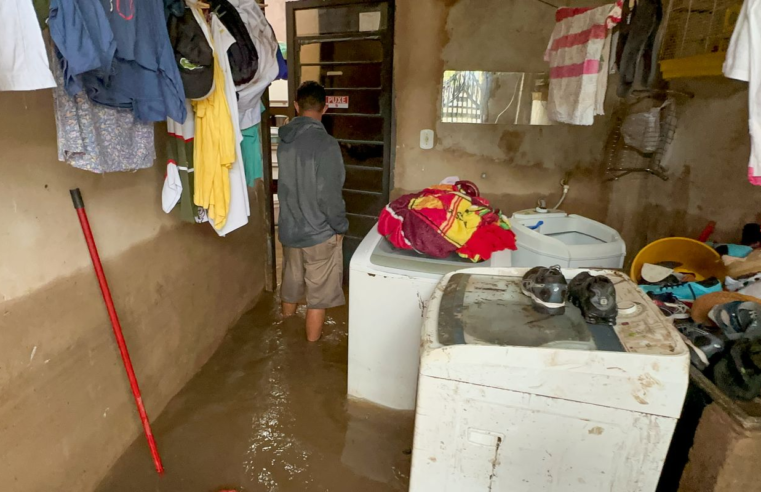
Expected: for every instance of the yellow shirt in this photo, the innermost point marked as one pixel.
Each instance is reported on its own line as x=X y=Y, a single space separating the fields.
x=214 y=151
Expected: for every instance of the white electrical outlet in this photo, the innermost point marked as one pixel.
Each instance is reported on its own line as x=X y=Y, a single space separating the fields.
x=426 y=139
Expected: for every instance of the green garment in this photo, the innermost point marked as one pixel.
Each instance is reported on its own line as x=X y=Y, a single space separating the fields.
x=251 y=148
x=42 y=8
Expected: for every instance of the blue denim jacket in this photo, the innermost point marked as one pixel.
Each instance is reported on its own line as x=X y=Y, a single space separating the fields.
x=121 y=56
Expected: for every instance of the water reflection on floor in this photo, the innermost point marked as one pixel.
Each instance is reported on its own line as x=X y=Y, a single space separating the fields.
x=269 y=413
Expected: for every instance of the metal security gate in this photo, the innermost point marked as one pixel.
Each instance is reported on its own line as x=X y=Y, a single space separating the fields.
x=347 y=46
x=462 y=97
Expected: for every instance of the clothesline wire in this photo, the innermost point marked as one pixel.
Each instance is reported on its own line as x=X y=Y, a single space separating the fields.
x=548 y=3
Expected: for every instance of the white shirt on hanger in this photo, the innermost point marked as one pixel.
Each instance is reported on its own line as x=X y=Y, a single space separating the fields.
x=23 y=61
x=250 y=94
x=239 y=210
x=743 y=63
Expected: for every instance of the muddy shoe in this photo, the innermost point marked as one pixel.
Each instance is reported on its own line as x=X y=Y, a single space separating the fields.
x=739 y=373
x=670 y=306
x=595 y=296
x=703 y=344
x=738 y=319
x=547 y=289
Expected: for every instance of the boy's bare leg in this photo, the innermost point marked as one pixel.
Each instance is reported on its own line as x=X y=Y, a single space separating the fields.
x=288 y=309
x=315 y=320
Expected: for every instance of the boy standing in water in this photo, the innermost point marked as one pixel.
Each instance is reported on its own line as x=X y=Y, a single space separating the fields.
x=312 y=211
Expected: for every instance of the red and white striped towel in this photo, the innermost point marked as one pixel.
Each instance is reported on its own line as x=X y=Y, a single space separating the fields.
x=578 y=53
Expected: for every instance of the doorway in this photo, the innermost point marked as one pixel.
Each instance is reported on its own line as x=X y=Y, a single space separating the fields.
x=347 y=46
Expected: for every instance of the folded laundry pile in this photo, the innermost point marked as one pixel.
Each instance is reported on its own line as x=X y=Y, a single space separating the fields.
x=446 y=219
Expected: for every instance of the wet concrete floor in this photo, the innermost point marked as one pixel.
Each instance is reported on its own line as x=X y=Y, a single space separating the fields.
x=269 y=413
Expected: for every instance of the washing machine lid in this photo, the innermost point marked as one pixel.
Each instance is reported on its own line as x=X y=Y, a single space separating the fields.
x=481 y=309
x=479 y=330
x=386 y=255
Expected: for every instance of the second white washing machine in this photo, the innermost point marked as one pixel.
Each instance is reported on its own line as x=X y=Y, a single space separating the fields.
x=389 y=289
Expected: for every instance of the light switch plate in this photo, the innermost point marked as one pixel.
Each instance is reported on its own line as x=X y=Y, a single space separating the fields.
x=426 y=139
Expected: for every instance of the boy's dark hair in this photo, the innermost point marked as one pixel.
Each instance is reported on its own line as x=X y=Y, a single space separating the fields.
x=311 y=96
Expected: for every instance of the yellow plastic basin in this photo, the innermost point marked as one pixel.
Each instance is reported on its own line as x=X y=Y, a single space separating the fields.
x=694 y=256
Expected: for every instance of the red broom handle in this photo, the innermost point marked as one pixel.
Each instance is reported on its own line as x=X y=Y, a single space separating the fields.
x=79 y=205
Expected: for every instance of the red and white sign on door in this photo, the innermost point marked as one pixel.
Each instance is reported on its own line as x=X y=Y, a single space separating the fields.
x=337 y=102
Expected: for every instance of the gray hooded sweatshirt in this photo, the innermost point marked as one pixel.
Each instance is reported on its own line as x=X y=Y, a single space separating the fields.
x=310 y=178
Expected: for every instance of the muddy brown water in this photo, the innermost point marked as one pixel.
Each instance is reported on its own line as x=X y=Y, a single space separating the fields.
x=269 y=413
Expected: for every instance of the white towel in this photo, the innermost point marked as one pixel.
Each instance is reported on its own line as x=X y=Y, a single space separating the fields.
x=578 y=53
x=742 y=63
x=172 y=190
x=23 y=62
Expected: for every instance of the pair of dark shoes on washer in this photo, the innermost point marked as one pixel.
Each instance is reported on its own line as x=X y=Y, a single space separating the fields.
x=549 y=291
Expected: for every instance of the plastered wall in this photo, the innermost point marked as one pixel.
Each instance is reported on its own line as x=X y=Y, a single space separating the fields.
x=707 y=166
x=513 y=165
x=66 y=411
x=517 y=165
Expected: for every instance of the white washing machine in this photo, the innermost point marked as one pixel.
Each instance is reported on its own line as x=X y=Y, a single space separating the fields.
x=553 y=237
x=388 y=291
x=513 y=400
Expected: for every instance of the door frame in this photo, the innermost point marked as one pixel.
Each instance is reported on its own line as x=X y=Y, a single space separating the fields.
x=387 y=110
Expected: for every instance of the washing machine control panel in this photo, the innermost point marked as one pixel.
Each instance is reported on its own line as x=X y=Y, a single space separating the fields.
x=640 y=326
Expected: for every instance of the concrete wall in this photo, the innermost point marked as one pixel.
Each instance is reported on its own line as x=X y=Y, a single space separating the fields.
x=724 y=455
x=708 y=172
x=66 y=411
x=521 y=163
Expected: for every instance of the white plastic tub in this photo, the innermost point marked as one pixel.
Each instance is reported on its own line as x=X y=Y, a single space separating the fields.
x=571 y=241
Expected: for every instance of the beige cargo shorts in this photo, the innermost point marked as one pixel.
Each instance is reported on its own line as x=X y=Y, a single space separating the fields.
x=314 y=275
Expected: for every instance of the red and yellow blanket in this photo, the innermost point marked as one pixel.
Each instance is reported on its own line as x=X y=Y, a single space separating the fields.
x=445 y=219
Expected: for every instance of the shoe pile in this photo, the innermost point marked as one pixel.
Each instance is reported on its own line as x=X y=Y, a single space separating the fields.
x=724 y=338
x=663 y=278
x=744 y=274
x=670 y=305
x=549 y=291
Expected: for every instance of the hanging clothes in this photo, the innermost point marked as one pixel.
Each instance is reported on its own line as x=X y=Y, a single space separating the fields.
x=243 y=57
x=172 y=190
x=742 y=63
x=636 y=45
x=579 y=54
x=97 y=138
x=281 y=63
x=180 y=153
x=191 y=40
x=120 y=56
x=23 y=61
x=250 y=95
x=239 y=207
x=252 y=154
x=251 y=147
x=42 y=10
x=192 y=52
x=174 y=8
x=214 y=150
